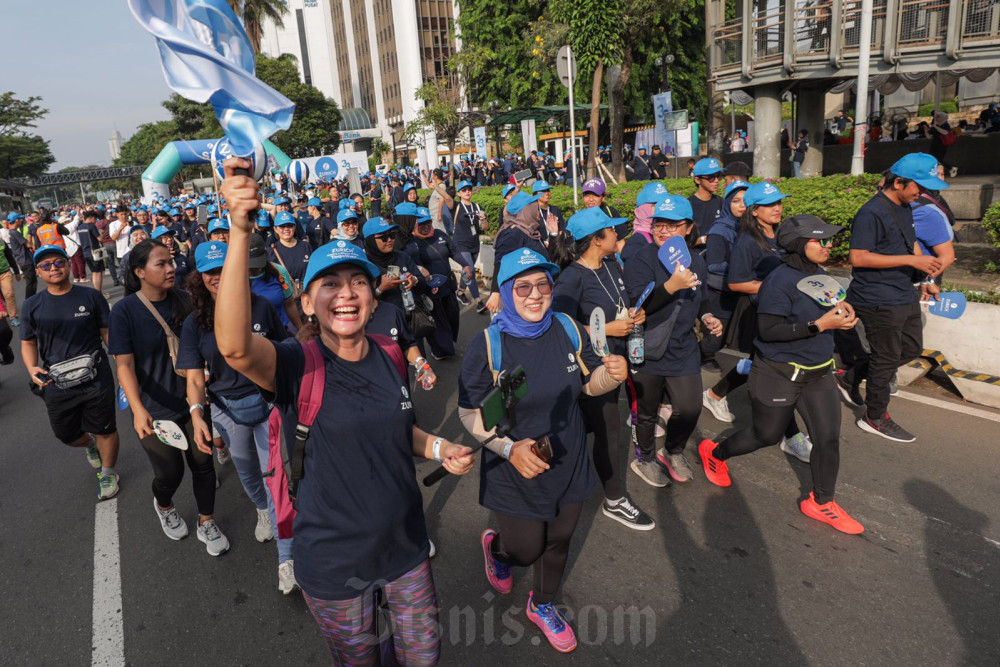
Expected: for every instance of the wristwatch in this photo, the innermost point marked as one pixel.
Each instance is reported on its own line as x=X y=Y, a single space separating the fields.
x=813 y=327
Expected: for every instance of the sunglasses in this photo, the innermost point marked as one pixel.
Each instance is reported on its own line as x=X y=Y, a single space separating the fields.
x=383 y=237
x=524 y=290
x=826 y=243
x=54 y=264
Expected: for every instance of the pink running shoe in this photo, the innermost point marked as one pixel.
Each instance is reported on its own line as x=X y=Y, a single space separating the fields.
x=553 y=624
x=498 y=574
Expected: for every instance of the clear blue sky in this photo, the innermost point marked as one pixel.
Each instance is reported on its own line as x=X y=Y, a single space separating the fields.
x=93 y=66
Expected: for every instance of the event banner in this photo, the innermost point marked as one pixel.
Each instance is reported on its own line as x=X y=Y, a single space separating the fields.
x=480 y=134
x=336 y=165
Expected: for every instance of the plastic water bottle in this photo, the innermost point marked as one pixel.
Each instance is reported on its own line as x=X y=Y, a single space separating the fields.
x=636 y=346
x=408 y=302
x=743 y=366
x=424 y=377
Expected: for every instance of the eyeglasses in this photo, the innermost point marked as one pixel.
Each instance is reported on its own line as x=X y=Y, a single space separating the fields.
x=670 y=226
x=54 y=264
x=524 y=290
x=826 y=243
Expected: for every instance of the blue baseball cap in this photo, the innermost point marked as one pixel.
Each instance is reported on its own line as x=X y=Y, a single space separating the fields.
x=377 y=225
x=708 y=166
x=920 y=168
x=642 y=148
x=589 y=220
x=284 y=218
x=408 y=187
x=519 y=201
x=213 y=208
x=282 y=201
x=651 y=193
x=515 y=263
x=175 y=211
x=218 y=224
x=338 y=252
x=346 y=214
x=314 y=201
x=405 y=208
x=162 y=231
x=423 y=214
x=346 y=203
x=673 y=207
x=188 y=206
x=14 y=217
x=540 y=186
x=263 y=218
x=210 y=255
x=49 y=250
x=462 y=185
x=137 y=228
x=736 y=185
x=507 y=189
x=762 y=194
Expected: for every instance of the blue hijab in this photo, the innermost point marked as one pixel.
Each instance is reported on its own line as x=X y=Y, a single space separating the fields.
x=509 y=322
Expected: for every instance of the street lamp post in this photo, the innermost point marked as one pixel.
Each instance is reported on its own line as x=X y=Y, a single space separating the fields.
x=664 y=63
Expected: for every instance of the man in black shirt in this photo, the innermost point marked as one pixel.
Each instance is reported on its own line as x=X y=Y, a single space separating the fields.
x=708 y=173
x=658 y=164
x=640 y=165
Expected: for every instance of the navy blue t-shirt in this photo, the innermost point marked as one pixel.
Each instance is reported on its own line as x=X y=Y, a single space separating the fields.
x=66 y=326
x=395 y=296
x=320 y=230
x=749 y=262
x=780 y=296
x=360 y=511
x=135 y=331
x=433 y=254
x=390 y=321
x=705 y=213
x=579 y=291
x=296 y=259
x=198 y=347
x=633 y=244
x=884 y=228
x=509 y=240
x=550 y=407
x=466 y=226
x=681 y=356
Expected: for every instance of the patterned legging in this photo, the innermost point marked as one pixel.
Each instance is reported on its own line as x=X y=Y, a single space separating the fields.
x=350 y=630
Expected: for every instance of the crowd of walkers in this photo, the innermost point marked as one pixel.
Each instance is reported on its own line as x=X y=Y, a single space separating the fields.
x=284 y=330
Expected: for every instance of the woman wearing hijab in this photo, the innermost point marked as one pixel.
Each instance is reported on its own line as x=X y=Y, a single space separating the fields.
x=380 y=247
x=718 y=248
x=405 y=217
x=793 y=368
x=642 y=227
x=537 y=503
x=348 y=225
x=518 y=232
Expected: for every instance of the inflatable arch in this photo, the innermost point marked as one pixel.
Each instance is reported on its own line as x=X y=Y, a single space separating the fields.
x=176 y=154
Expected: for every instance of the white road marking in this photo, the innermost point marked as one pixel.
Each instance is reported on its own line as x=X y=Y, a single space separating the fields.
x=950 y=405
x=109 y=636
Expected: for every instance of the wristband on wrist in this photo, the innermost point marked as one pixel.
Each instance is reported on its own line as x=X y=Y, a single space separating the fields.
x=197 y=406
x=506 y=450
x=437 y=449
x=419 y=362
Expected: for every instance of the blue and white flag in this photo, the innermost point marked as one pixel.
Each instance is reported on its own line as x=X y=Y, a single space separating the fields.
x=207 y=57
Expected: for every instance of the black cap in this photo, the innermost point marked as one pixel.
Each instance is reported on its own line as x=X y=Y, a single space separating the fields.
x=804 y=227
x=258 y=252
x=738 y=168
x=656 y=147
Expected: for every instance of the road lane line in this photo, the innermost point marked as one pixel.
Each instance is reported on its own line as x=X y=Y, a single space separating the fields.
x=108 y=649
x=949 y=405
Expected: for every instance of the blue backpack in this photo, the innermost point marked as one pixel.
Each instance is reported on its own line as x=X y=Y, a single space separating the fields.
x=494 y=346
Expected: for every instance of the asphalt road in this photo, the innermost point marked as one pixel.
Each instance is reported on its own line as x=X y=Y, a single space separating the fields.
x=729 y=576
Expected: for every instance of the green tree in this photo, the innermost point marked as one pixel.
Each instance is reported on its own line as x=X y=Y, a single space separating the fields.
x=192 y=120
x=317 y=118
x=253 y=13
x=440 y=114
x=22 y=154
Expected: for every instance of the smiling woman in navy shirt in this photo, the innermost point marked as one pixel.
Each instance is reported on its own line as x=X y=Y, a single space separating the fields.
x=238 y=411
x=155 y=391
x=590 y=279
x=360 y=515
x=536 y=503
x=288 y=251
x=671 y=372
x=793 y=367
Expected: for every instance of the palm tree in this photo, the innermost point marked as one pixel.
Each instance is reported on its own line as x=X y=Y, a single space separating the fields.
x=255 y=12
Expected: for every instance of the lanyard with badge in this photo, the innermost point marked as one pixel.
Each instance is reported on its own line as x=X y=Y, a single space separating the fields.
x=621 y=312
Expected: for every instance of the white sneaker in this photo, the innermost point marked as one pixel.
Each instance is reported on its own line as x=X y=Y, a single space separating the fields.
x=799 y=446
x=223 y=455
x=215 y=542
x=719 y=408
x=433 y=551
x=264 y=530
x=286 y=577
x=93 y=456
x=171 y=522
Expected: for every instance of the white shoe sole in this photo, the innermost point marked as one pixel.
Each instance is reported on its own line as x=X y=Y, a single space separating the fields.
x=863 y=425
x=203 y=540
x=627 y=524
x=177 y=537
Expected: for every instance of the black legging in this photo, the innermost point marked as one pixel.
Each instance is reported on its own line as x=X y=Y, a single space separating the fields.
x=168 y=471
x=817 y=398
x=544 y=544
x=603 y=418
x=684 y=395
x=734 y=379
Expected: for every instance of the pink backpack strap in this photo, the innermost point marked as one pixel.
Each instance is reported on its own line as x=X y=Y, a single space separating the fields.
x=310 y=400
x=391 y=348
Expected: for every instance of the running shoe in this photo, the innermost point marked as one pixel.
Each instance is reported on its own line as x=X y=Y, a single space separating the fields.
x=286 y=577
x=831 y=513
x=627 y=514
x=718 y=407
x=462 y=299
x=851 y=393
x=15 y=321
x=171 y=522
x=650 y=472
x=552 y=623
x=676 y=464
x=93 y=456
x=716 y=470
x=498 y=574
x=107 y=486
x=481 y=307
x=886 y=428
x=798 y=446
x=432 y=550
x=209 y=534
x=223 y=455
x=894 y=385
x=264 y=530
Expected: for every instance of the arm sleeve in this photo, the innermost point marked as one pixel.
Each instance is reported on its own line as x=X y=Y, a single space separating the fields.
x=774 y=329
x=473 y=423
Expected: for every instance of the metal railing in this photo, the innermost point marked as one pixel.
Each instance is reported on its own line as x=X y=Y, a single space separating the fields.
x=728 y=38
x=981 y=21
x=851 y=25
x=922 y=23
x=768 y=33
x=811 y=27
x=85 y=176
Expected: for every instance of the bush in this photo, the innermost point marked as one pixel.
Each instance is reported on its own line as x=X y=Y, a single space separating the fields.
x=928 y=109
x=991 y=223
x=835 y=199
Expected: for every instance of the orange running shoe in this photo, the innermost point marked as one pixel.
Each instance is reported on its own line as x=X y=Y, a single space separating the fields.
x=715 y=469
x=831 y=513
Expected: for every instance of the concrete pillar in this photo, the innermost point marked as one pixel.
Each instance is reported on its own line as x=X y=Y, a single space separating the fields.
x=767 y=131
x=811 y=118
